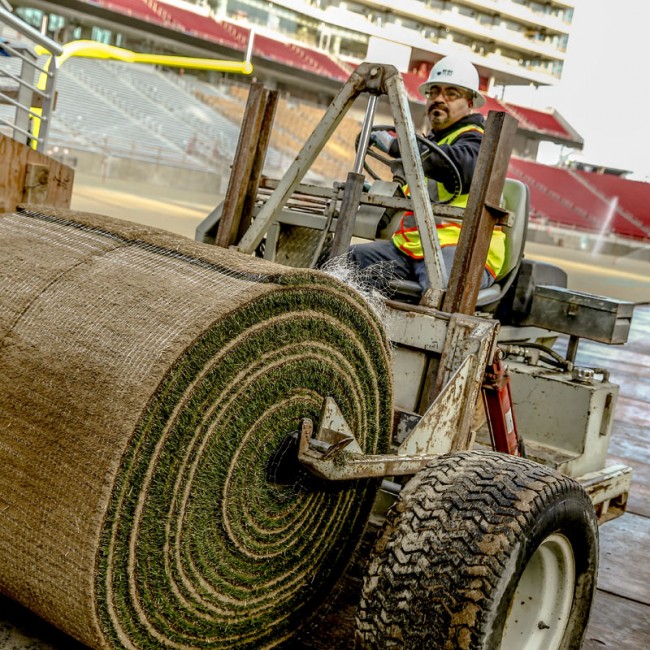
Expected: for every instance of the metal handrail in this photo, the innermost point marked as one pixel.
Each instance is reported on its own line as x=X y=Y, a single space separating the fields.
x=33 y=101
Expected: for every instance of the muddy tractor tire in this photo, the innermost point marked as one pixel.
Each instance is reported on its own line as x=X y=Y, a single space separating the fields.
x=482 y=551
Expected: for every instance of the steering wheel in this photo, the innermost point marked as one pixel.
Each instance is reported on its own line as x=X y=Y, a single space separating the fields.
x=396 y=163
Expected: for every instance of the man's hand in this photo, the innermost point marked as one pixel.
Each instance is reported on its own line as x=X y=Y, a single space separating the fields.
x=383 y=139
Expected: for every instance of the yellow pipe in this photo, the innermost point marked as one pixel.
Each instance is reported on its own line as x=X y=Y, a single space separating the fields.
x=94 y=50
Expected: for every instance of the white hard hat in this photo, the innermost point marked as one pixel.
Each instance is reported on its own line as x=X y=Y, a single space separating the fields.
x=454 y=71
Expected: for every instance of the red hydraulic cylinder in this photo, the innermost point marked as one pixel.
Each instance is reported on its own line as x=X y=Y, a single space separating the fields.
x=497 y=399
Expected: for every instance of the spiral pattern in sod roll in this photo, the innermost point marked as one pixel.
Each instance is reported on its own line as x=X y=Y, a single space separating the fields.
x=200 y=529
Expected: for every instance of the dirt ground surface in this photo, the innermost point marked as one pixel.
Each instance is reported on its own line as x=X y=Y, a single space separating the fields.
x=152 y=205
x=174 y=210
x=622 y=277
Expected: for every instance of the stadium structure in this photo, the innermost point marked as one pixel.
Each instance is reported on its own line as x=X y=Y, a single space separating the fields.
x=110 y=114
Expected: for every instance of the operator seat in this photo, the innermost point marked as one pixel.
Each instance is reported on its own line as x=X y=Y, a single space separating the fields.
x=516 y=200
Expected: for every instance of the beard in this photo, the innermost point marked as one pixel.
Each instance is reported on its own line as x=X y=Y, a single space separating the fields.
x=438 y=115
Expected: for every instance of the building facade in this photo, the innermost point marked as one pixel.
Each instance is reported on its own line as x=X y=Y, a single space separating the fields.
x=511 y=42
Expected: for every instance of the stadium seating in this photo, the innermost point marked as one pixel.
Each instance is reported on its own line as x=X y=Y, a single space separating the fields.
x=137 y=111
x=231 y=35
x=87 y=119
x=559 y=196
x=531 y=119
x=294 y=123
x=633 y=196
x=192 y=23
x=492 y=104
x=544 y=122
x=302 y=57
x=329 y=66
x=546 y=208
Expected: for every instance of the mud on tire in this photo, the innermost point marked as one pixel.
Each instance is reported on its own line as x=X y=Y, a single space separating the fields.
x=480 y=552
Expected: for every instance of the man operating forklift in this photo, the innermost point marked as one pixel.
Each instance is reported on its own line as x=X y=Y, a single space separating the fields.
x=452 y=92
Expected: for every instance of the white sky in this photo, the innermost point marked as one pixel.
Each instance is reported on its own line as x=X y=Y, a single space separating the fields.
x=605 y=88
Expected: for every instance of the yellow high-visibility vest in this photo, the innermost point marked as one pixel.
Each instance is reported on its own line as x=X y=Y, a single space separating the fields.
x=407 y=236
x=443 y=195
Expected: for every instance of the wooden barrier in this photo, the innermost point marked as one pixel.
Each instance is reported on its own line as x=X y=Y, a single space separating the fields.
x=28 y=176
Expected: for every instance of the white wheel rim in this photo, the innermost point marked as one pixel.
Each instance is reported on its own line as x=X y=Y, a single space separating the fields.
x=541 y=606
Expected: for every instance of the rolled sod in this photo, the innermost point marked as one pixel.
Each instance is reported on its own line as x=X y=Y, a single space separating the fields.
x=147 y=384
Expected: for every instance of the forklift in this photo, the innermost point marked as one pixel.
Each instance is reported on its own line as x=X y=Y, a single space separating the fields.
x=496 y=480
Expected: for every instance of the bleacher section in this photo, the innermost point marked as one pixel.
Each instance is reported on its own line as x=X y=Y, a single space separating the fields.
x=296 y=55
x=294 y=123
x=137 y=8
x=633 y=196
x=560 y=197
x=96 y=111
x=192 y=23
x=537 y=121
x=533 y=120
x=529 y=119
x=175 y=101
x=299 y=57
x=136 y=111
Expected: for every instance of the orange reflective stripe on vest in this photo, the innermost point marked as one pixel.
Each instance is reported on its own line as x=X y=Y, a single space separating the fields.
x=407 y=239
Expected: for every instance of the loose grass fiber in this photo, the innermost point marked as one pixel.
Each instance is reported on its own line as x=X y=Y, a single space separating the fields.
x=146 y=381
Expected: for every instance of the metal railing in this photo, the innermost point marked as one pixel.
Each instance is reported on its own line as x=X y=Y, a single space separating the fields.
x=32 y=90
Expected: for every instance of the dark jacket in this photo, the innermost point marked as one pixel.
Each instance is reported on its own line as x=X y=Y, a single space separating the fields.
x=463 y=152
